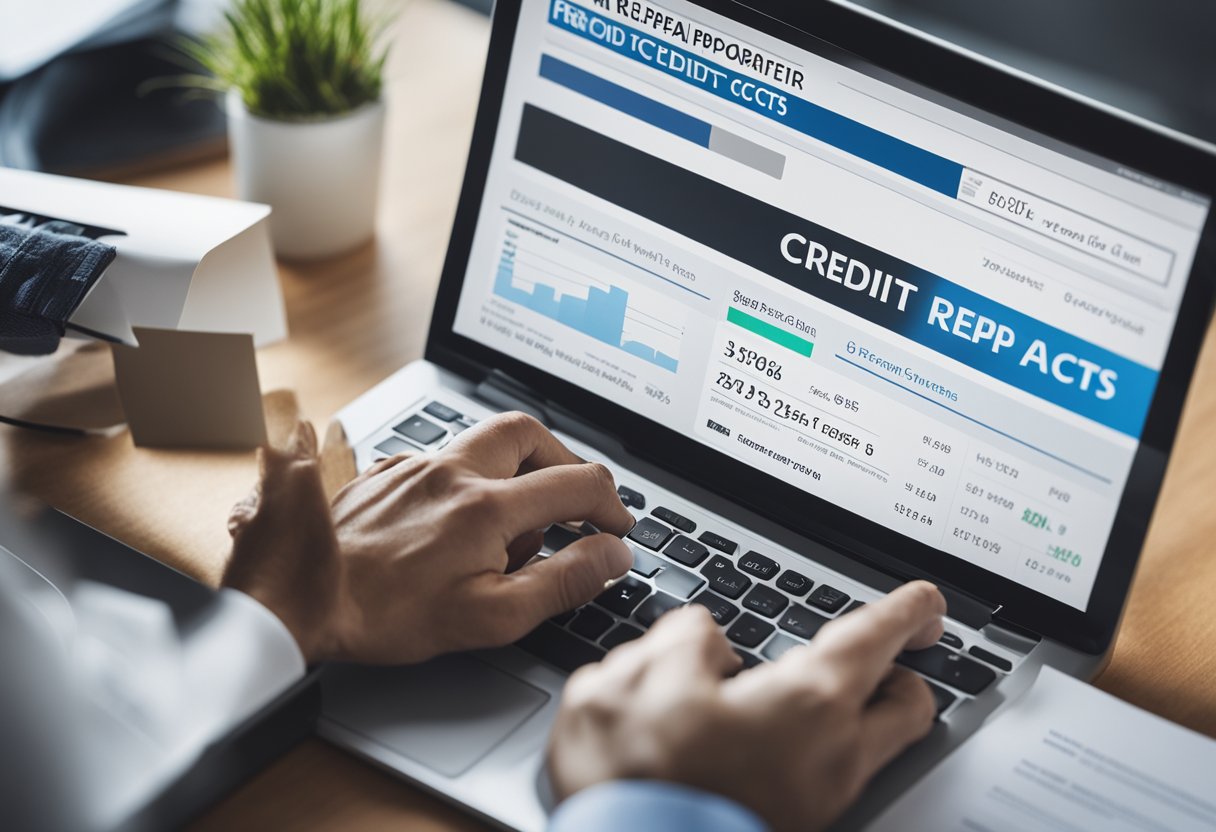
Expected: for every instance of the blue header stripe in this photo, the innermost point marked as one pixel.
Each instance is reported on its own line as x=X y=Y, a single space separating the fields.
x=901 y=158
x=626 y=101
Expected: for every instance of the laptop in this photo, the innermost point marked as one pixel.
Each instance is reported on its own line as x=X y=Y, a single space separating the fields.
x=841 y=306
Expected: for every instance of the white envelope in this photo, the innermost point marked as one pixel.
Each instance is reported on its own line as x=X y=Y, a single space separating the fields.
x=184 y=261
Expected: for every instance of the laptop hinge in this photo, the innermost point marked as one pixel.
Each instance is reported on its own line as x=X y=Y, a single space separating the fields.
x=503 y=392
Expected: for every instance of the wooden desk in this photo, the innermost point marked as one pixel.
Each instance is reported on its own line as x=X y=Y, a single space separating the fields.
x=357 y=318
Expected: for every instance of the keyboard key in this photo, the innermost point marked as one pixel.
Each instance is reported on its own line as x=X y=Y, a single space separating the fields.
x=655 y=606
x=624 y=596
x=461 y=425
x=631 y=498
x=687 y=551
x=749 y=630
x=559 y=537
x=941 y=697
x=856 y=605
x=590 y=623
x=646 y=564
x=949 y=667
x=777 y=646
x=828 y=598
x=766 y=601
x=441 y=412
x=992 y=658
x=951 y=640
x=757 y=564
x=724 y=578
x=795 y=583
x=422 y=431
x=679 y=582
x=749 y=659
x=672 y=519
x=719 y=542
x=563 y=617
x=722 y=610
x=560 y=649
x=393 y=446
x=650 y=533
x=801 y=622
x=620 y=634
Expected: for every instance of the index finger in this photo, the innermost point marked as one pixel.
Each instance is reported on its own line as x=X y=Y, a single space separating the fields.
x=862 y=645
x=685 y=643
x=563 y=493
x=508 y=444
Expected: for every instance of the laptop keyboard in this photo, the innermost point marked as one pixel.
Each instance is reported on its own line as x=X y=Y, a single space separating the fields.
x=765 y=609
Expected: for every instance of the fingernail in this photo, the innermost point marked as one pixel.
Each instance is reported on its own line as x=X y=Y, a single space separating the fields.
x=611 y=582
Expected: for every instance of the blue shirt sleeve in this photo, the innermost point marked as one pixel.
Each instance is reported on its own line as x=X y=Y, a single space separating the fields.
x=651 y=806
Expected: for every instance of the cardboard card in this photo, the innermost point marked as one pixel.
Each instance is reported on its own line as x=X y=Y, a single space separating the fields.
x=187 y=389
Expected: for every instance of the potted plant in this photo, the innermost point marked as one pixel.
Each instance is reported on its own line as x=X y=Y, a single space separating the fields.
x=305 y=116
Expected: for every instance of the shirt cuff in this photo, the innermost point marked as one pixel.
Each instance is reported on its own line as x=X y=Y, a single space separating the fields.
x=263 y=628
x=651 y=806
x=240 y=659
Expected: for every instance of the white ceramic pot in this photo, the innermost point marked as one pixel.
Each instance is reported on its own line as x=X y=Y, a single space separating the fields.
x=321 y=177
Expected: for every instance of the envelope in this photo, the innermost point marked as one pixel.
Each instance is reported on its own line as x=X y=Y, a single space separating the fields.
x=184 y=261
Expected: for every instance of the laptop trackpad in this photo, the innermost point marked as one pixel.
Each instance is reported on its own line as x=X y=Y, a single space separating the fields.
x=446 y=714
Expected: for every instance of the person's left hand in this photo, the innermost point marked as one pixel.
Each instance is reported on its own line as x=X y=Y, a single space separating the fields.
x=425 y=554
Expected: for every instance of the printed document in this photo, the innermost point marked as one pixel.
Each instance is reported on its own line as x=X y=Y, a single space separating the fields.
x=1067 y=757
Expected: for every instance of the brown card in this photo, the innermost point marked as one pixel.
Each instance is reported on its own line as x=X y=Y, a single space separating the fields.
x=190 y=389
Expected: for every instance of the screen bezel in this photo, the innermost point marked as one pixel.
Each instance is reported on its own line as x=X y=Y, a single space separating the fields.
x=992 y=89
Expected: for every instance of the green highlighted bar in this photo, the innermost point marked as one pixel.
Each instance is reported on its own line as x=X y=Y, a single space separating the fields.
x=769 y=331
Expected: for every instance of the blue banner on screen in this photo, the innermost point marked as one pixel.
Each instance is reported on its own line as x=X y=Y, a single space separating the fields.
x=626 y=101
x=975 y=330
x=853 y=137
x=928 y=309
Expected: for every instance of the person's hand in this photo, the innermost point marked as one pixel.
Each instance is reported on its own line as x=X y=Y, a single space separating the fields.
x=429 y=553
x=795 y=740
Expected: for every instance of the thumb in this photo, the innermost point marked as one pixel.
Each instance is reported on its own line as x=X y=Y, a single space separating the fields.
x=242 y=513
x=561 y=582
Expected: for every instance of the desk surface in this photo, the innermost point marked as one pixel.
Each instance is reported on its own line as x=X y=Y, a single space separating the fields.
x=357 y=318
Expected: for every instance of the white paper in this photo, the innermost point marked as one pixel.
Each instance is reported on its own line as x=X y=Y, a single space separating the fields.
x=1067 y=757
x=34 y=32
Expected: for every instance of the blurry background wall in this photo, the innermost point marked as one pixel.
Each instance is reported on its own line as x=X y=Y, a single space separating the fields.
x=85 y=113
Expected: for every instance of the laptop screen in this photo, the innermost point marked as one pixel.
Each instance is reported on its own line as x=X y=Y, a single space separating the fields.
x=935 y=320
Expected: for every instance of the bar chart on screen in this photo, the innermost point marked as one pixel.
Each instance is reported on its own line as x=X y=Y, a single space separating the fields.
x=545 y=275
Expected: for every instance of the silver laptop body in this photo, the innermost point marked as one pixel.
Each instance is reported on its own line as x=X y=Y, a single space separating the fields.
x=840 y=306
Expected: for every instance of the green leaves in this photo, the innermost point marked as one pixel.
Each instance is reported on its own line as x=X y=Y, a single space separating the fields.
x=294 y=59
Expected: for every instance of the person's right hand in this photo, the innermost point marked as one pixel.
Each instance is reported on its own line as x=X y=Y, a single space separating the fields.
x=428 y=553
x=795 y=740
